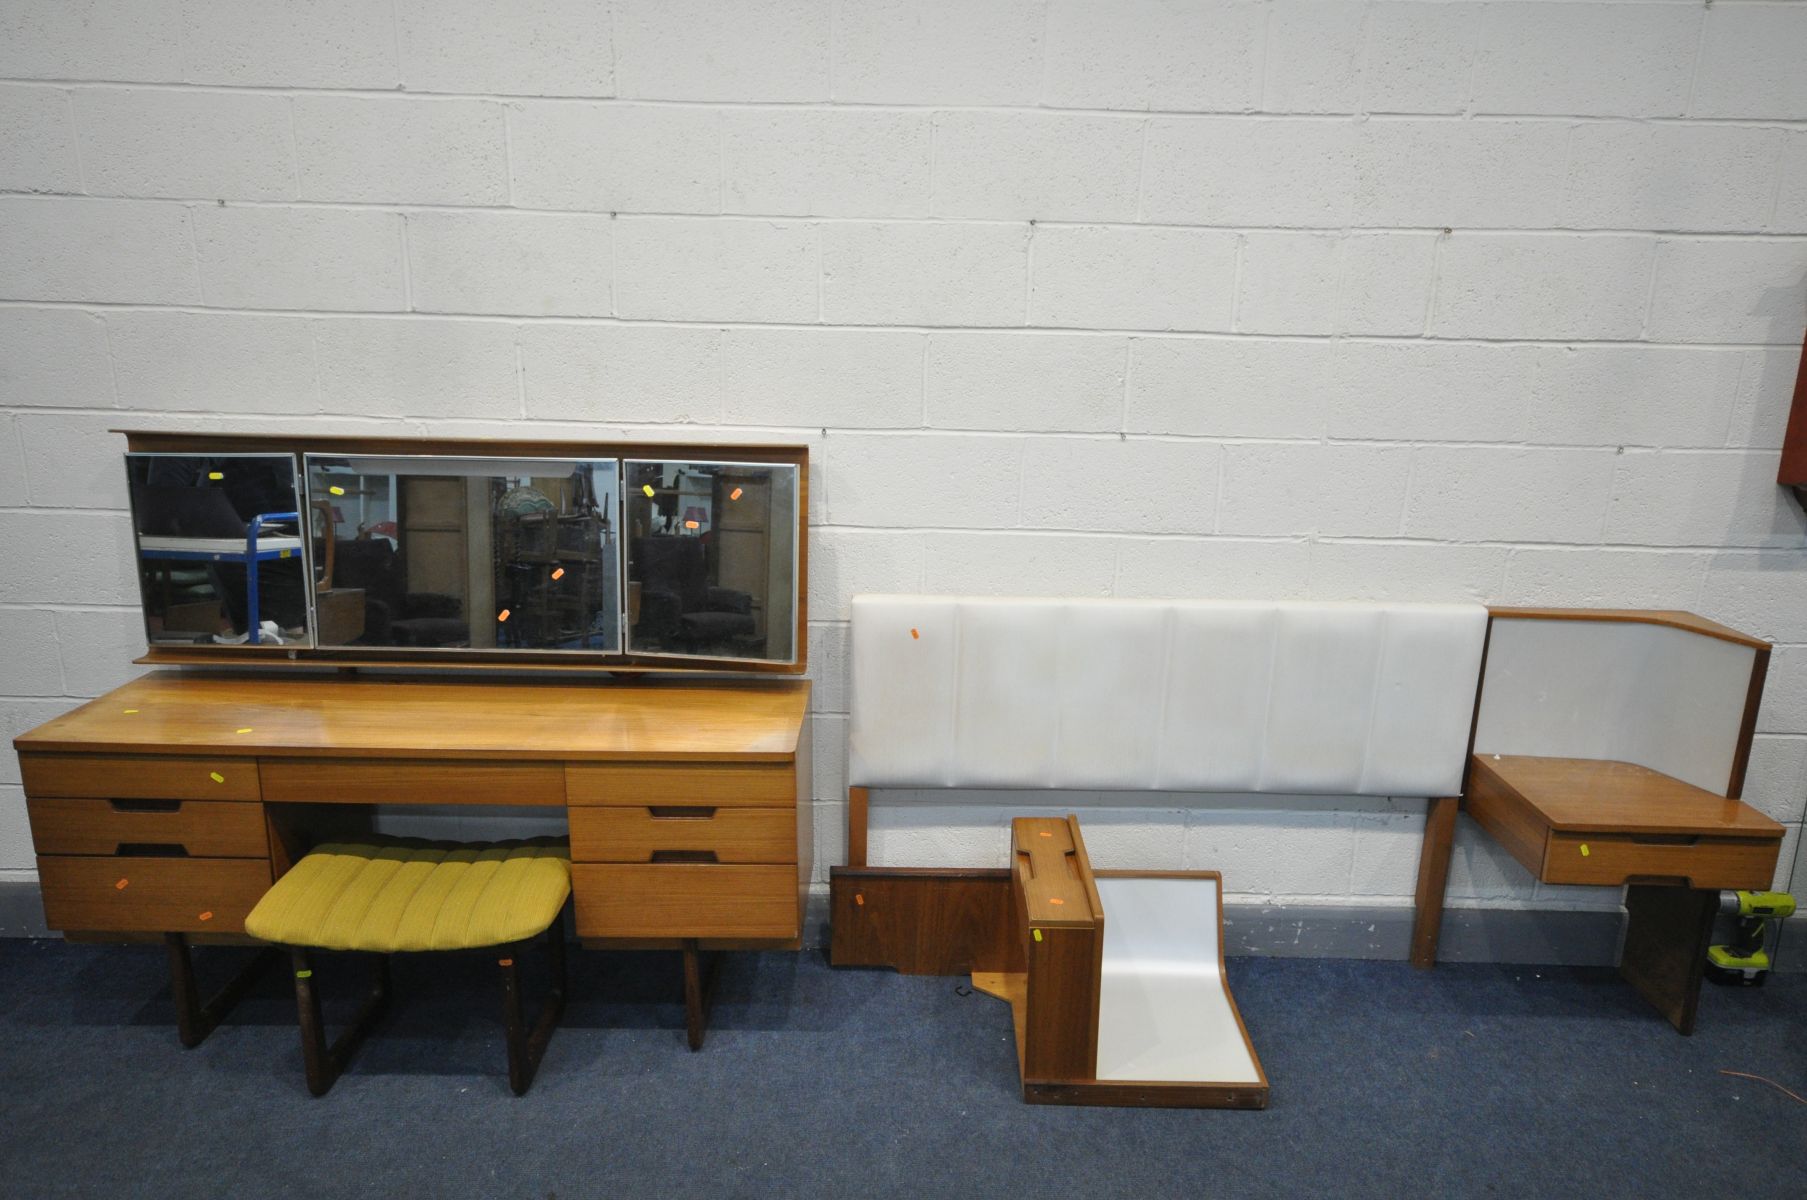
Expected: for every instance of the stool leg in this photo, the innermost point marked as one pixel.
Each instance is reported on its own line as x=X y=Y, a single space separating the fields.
x=324 y=1065
x=525 y=1049
x=195 y=1020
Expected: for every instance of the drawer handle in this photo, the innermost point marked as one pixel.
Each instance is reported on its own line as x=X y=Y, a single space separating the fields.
x=684 y=856
x=681 y=812
x=161 y=806
x=1665 y=839
x=151 y=850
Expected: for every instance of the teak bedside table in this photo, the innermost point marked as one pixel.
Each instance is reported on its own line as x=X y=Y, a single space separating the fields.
x=1673 y=846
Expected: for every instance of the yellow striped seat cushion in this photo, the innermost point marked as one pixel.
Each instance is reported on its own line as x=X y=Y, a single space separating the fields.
x=400 y=894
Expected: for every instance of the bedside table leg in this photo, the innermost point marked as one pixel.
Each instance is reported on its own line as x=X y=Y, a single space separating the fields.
x=1433 y=878
x=1667 y=931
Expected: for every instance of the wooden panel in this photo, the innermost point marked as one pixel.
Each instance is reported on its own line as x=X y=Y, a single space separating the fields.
x=606 y=833
x=923 y=921
x=1793 y=468
x=1667 y=931
x=367 y=781
x=1714 y=863
x=1146 y=1095
x=132 y=777
x=171 y=895
x=1673 y=618
x=1586 y=795
x=1063 y=940
x=1052 y=875
x=1506 y=815
x=167 y=712
x=683 y=900
x=202 y=828
x=639 y=784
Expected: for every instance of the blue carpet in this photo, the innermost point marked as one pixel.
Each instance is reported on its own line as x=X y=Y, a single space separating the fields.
x=1472 y=1080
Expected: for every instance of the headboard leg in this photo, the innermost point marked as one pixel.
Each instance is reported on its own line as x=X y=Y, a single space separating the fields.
x=1433 y=877
x=856 y=826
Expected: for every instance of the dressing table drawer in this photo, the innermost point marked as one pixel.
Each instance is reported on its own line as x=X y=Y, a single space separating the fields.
x=423 y=781
x=685 y=900
x=140 y=776
x=643 y=834
x=1702 y=862
x=196 y=828
x=151 y=895
x=643 y=783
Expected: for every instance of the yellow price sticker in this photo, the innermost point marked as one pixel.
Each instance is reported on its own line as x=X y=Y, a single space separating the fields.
x=337 y=491
x=1037 y=934
x=130 y=711
x=1584 y=850
x=216 y=777
x=216 y=476
x=285 y=554
x=648 y=489
x=242 y=729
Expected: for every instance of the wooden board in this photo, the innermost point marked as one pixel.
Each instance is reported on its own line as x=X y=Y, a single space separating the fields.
x=1586 y=796
x=164 y=895
x=169 y=713
x=456 y=781
x=126 y=776
x=923 y=921
x=199 y=828
x=636 y=785
x=685 y=900
x=604 y=833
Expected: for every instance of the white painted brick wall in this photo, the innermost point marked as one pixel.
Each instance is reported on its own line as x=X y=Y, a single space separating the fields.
x=1416 y=299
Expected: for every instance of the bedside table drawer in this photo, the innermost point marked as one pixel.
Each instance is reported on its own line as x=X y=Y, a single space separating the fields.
x=684 y=900
x=645 y=834
x=151 y=895
x=1702 y=862
x=195 y=828
x=140 y=777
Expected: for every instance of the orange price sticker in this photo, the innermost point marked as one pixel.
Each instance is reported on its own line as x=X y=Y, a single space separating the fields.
x=859 y=899
x=558 y=572
x=120 y=886
x=915 y=634
x=1055 y=900
x=503 y=615
x=734 y=495
x=691 y=525
x=1046 y=834
x=207 y=916
x=505 y=962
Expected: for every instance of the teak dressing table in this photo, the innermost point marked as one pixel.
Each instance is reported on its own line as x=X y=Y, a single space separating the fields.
x=168 y=806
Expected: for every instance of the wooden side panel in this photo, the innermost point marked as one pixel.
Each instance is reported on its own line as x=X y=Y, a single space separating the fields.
x=452 y=781
x=199 y=828
x=1667 y=930
x=170 y=895
x=684 y=900
x=1502 y=812
x=1060 y=1038
x=923 y=921
x=638 y=784
x=140 y=776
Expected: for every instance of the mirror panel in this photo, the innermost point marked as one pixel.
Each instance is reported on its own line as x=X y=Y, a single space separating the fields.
x=450 y=553
x=711 y=559
x=221 y=559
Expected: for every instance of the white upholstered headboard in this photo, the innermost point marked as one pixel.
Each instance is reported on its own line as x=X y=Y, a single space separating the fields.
x=1237 y=696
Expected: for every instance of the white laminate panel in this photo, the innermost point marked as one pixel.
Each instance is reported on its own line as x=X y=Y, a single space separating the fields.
x=1430 y=663
x=1326 y=659
x=1164 y=1012
x=902 y=661
x=1006 y=693
x=1113 y=658
x=1214 y=720
x=1653 y=695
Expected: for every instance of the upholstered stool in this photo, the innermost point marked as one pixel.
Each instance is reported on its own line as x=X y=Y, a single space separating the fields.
x=400 y=895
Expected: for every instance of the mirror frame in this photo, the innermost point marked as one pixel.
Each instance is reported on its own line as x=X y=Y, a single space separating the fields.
x=425 y=658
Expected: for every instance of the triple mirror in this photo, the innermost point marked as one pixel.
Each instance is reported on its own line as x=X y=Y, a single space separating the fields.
x=464 y=554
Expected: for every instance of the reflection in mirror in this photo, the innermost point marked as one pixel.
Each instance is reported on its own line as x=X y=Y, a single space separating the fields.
x=712 y=559
x=219 y=549
x=465 y=553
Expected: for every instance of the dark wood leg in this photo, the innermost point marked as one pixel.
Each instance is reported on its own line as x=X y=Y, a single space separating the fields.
x=1433 y=878
x=699 y=982
x=325 y=1065
x=525 y=1049
x=195 y=1020
x=1667 y=931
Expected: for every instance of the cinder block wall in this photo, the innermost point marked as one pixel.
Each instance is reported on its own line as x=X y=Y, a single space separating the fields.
x=1421 y=300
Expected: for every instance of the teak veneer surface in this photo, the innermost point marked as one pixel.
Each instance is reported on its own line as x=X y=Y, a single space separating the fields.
x=353 y=718
x=1585 y=796
x=1674 y=618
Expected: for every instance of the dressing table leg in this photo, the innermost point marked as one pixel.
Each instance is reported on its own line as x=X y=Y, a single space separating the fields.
x=195 y=1020
x=1433 y=878
x=699 y=982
